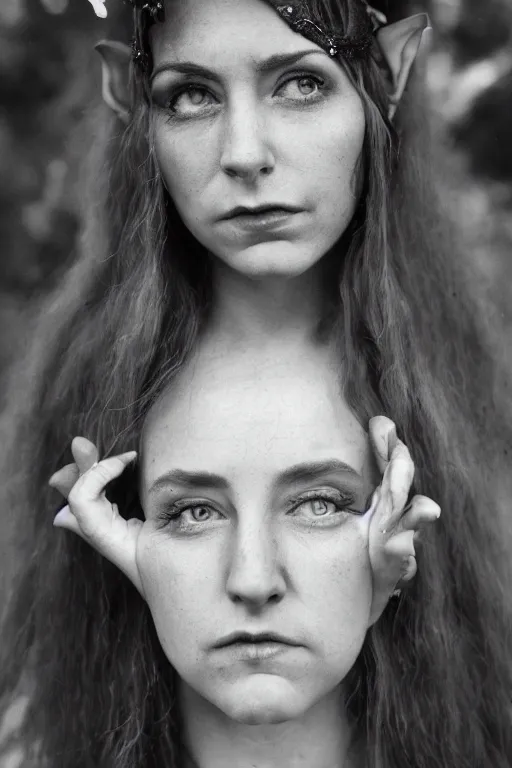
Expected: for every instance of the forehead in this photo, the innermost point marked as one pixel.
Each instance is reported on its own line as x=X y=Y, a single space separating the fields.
x=223 y=28
x=222 y=420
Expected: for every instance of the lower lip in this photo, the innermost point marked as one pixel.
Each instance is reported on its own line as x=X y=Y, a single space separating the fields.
x=257 y=651
x=263 y=221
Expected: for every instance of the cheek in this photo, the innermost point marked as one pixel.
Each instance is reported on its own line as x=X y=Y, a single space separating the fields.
x=178 y=586
x=333 y=159
x=185 y=166
x=337 y=583
x=345 y=152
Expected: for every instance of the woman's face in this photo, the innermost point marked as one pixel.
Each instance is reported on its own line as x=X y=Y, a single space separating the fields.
x=254 y=496
x=249 y=114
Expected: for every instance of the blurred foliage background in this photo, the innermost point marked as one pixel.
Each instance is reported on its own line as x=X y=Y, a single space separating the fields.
x=49 y=75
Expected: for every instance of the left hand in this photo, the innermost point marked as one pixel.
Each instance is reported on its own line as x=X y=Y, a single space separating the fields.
x=394 y=522
x=89 y=513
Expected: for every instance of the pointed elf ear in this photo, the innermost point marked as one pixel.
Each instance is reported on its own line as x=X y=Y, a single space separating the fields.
x=399 y=44
x=116 y=61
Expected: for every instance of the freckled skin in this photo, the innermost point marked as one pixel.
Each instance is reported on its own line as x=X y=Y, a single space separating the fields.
x=254 y=566
x=257 y=568
x=309 y=152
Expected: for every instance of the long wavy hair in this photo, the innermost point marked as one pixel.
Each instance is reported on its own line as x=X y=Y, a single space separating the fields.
x=432 y=685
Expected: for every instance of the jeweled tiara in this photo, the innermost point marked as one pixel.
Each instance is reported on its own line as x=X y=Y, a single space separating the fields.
x=296 y=13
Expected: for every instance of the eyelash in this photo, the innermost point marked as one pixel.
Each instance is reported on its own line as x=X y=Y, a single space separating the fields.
x=188 y=87
x=343 y=502
x=175 y=511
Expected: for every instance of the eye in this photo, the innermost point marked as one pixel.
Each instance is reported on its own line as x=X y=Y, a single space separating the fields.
x=320 y=507
x=316 y=508
x=199 y=514
x=188 y=518
x=191 y=100
x=302 y=88
x=333 y=507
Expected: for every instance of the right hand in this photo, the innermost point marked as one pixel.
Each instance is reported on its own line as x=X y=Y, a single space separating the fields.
x=90 y=515
x=394 y=524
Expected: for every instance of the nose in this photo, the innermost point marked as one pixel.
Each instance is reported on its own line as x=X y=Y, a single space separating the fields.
x=256 y=576
x=246 y=154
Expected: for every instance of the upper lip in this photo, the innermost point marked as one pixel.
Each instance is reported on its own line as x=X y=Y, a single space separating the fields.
x=243 y=210
x=254 y=637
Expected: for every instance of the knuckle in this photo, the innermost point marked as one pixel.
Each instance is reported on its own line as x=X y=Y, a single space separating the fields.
x=74 y=496
x=402 y=457
x=102 y=473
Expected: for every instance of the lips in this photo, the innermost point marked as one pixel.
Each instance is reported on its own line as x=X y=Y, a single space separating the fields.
x=250 y=638
x=260 y=210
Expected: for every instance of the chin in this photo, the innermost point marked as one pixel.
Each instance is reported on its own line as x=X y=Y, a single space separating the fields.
x=262 y=700
x=276 y=258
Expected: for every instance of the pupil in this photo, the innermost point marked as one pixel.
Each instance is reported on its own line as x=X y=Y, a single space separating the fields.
x=195 y=96
x=306 y=84
x=319 y=507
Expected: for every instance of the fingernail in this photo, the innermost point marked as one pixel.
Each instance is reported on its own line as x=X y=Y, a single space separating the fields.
x=58 y=520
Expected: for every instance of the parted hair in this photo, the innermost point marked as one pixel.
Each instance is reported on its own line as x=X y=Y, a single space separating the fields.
x=432 y=686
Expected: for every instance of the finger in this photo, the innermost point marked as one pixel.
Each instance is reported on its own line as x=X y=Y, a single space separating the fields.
x=382 y=434
x=117 y=541
x=395 y=562
x=395 y=487
x=397 y=551
x=66 y=519
x=92 y=517
x=409 y=572
x=90 y=487
x=391 y=561
x=84 y=453
x=421 y=512
x=64 y=479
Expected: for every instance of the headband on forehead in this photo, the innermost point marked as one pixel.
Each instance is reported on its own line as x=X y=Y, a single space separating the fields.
x=299 y=17
x=296 y=13
x=367 y=35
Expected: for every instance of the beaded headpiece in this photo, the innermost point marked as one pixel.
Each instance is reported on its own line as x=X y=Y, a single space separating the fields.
x=300 y=18
x=296 y=13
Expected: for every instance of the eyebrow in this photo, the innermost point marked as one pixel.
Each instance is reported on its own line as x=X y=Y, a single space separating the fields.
x=313 y=470
x=267 y=65
x=298 y=473
x=189 y=480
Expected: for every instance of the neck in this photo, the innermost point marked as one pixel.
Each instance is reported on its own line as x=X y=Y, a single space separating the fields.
x=252 y=309
x=320 y=738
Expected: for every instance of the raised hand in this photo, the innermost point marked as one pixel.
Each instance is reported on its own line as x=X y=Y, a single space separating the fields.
x=394 y=522
x=90 y=515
